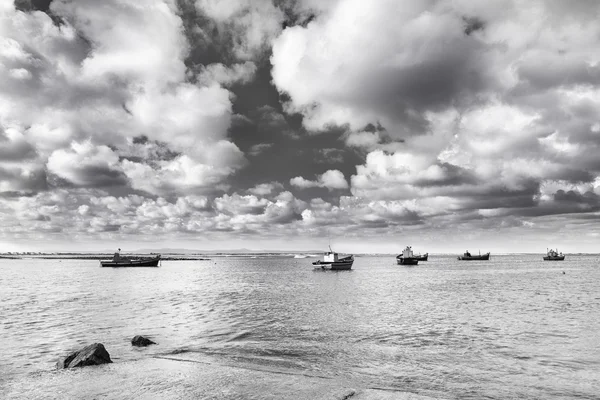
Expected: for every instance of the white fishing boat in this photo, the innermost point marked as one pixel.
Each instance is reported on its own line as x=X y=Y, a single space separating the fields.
x=332 y=261
x=407 y=257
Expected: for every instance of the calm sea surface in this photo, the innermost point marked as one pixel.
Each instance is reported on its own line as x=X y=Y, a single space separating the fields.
x=512 y=327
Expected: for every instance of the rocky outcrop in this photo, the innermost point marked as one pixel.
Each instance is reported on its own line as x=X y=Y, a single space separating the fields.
x=141 y=341
x=94 y=354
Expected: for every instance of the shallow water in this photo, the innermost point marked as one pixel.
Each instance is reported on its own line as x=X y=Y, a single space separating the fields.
x=511 y=327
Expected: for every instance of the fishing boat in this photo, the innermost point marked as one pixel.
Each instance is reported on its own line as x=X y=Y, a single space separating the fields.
x=422 y=257
x=119 y=261
x=407 y=257
x=469 y=257
x=554 y=255
x=332 y=261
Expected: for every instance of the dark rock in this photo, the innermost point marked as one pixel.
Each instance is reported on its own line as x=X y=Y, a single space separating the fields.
x=94 y=354
x=141 y=341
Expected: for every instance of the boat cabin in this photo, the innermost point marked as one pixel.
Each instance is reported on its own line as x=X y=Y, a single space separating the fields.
x=330 y=256
x=407 y=252
x=554 y=253
x=117 y=256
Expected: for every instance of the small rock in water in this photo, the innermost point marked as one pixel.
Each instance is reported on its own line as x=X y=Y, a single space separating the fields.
x=94 y=354
x=141 y=341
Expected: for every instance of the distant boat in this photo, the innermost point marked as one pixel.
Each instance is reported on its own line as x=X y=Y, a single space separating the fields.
x=332 y=261
x=407 y=257
x=552 y=255
x=422 y=257
x=468 y=256
x=120 y=261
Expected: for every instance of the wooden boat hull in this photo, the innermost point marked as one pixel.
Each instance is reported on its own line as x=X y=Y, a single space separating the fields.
x=554 y=258
x=407 y=260
x=151 y=262
x=341 y=265
x=481 y=257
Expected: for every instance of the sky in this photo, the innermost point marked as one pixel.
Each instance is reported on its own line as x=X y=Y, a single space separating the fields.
x=285 y=125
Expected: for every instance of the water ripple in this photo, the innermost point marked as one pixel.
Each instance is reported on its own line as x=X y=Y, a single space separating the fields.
x=509 y=328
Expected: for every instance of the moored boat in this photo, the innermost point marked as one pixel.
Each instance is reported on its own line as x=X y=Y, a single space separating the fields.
x=120 y=261
x=422 y=257
x=469 y=257
x=554 y=255
x=332 y=261
x=407 y=257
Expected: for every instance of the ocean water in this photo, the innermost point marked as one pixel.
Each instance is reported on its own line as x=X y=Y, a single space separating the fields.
x=514 y=327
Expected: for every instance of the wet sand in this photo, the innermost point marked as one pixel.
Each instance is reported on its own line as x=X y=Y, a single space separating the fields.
x=185 y=377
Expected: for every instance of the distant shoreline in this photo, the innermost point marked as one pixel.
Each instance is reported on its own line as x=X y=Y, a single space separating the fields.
x=212 y=255
x=96 y=257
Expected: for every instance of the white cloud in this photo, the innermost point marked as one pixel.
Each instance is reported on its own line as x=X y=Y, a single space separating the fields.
x=265 y=189
x=487 y=115
x=332 y=179
x=87 y=165
x=109 y=73
x=335 y=74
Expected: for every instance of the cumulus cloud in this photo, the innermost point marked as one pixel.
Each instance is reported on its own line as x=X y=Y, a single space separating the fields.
x=122 y=119
x=265 y=189
x=423 y=61
x=75 y=94
x=87 y=165
x=481 y=105
x=332 y=179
